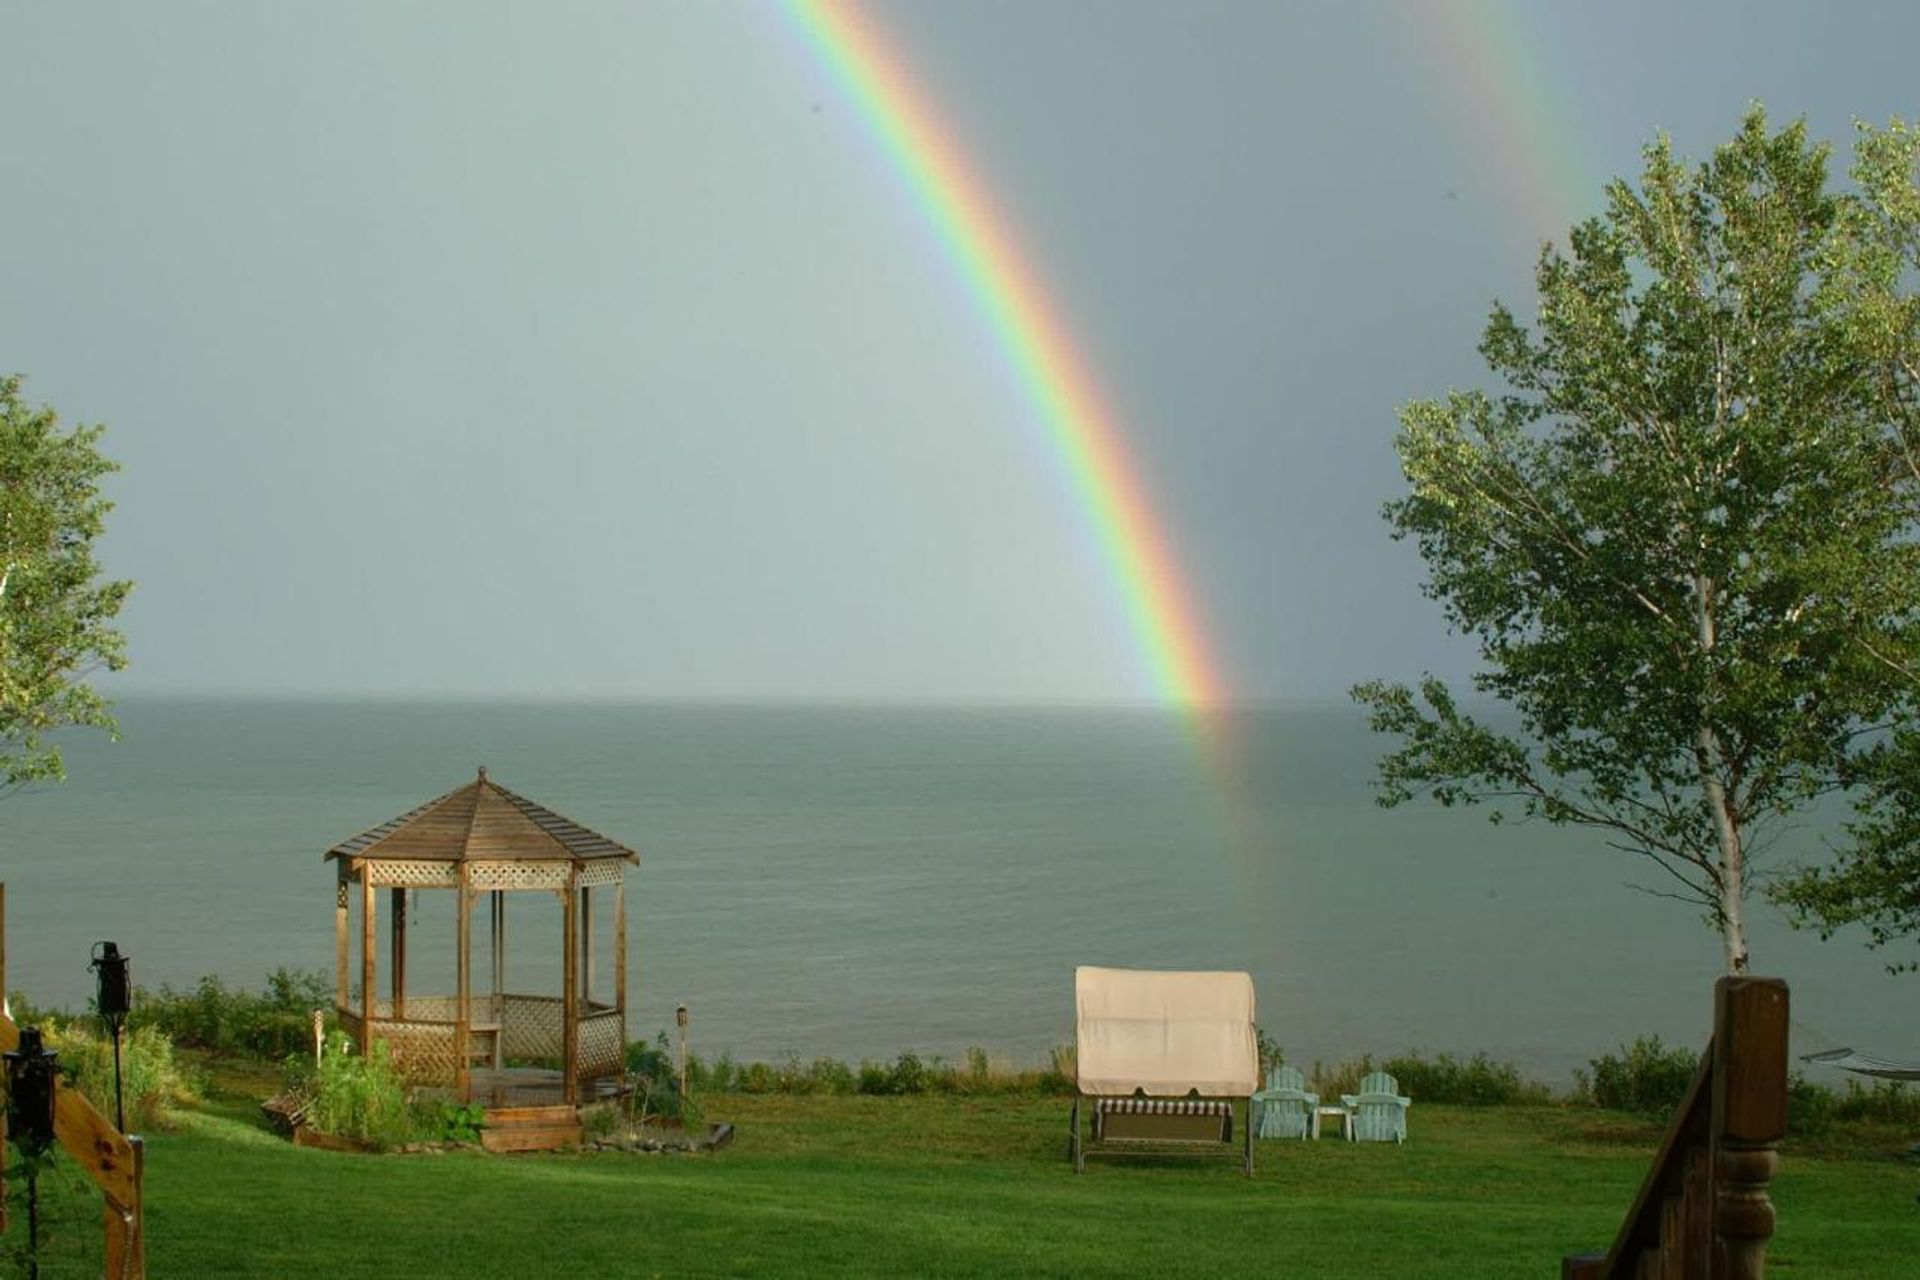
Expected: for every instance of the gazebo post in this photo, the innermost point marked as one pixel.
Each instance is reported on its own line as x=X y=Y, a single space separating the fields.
x=399 y=950
x=340 y=952
x=586 y=947
x=620 y=954
x=369 y=947
x=570 y=999
x=463 y=963
x=497 y=906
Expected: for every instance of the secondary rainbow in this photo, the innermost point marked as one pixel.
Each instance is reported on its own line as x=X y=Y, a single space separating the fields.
x=1493 y=63
x=1085 y=440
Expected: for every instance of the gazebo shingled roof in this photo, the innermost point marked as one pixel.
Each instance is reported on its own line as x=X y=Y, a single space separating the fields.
x=481 y=820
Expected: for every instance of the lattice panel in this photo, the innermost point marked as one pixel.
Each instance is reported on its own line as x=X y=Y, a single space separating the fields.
x=533 y=1027
x=518 y=875
x=602 y=871
x=423 y=1051
x=602 y=1051
x=409 y=874
x=429 y=1009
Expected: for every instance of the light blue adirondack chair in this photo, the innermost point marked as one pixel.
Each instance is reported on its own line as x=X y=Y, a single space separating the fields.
x=1379 y=1111
x=1285 y=1108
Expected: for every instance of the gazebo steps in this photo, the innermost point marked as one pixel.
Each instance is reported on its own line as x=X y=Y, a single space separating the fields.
x=531 y=1128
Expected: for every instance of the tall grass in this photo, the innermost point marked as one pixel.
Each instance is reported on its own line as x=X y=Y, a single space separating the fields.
x=356 y=1096
x=155 y=1087
x=220 y=1019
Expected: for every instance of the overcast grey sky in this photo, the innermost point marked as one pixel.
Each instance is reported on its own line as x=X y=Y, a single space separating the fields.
x=570 y=349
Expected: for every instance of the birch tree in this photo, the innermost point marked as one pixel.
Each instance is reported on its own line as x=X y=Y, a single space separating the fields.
x=55 y=611
x=1670 y=529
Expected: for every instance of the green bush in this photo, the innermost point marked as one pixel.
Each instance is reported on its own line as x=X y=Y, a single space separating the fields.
x=353 y=1096
x=1810 y=1107
x=1330 y=1080
x=1645 y=1076
x=1883 y=1101
x=830 y=1075
x=655 y=1086
x=154 y=1086
x=219 y=1019
x=1478 y=1081
x=450 y=1121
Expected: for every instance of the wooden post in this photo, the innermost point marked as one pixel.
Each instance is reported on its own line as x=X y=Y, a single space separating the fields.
x=570 y=981
x=399 y=949
x=340 y=936
x=463 y=964
x=369 y=947
x=586 y=947
x=126 y=1241
x=497 y=907
x=497 y=904
x=620 y=956
x=1749 y=1118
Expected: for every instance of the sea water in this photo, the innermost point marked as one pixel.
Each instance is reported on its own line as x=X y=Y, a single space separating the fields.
x=858 y=881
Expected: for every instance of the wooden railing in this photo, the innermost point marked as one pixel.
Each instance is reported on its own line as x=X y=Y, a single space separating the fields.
x=113 y=1160
x=1703 y=1213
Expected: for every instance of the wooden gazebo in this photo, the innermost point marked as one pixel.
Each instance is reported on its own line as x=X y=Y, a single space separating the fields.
x=483 y=840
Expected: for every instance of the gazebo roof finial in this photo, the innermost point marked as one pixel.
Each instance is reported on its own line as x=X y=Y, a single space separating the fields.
x=483 y=773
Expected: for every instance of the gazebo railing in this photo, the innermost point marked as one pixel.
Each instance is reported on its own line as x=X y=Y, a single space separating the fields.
x=602 y=1050
x=525 y=1027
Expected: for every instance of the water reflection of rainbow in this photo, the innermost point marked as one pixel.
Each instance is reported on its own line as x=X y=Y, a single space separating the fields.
x=1083 y=435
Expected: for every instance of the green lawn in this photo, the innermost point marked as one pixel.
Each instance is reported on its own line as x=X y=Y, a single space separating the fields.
x=960 y=1186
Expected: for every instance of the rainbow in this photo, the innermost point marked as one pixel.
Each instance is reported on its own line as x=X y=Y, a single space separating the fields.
x=1085 y=439
x=1490 y=64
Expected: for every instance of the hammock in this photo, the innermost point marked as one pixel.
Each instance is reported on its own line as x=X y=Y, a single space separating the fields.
x=1863 y=1065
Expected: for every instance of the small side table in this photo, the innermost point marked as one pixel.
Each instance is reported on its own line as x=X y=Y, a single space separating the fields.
x=1341 y=1115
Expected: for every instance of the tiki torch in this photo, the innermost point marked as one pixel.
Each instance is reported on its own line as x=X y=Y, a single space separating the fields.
x=114 y=998
x=30 y=1121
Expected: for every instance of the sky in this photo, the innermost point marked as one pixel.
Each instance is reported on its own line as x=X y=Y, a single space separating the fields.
x=599 y=350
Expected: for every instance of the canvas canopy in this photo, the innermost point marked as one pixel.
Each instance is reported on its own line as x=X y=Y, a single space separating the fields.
x=1166 y=1033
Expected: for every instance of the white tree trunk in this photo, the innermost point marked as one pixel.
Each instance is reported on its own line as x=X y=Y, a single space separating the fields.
x=1733 y=862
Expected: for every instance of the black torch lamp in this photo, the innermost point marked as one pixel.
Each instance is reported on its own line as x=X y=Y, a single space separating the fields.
x=30 y=1071
x=114 y=999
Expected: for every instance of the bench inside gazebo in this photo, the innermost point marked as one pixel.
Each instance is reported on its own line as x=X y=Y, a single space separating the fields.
x=529 y=1058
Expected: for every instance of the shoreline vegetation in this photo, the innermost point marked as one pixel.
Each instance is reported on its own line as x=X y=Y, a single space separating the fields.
x=171 y=1030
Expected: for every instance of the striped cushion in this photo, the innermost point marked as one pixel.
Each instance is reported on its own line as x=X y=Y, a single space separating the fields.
x=1164 y=1107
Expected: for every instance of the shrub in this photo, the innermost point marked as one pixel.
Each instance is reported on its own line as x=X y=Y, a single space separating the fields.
x=830 y=1075
x=1810 y=1106
x=873 y=1078
x=154 y=1086
x=1330 y=1080
x=1477 y=1082
x=450 y=1121
x=1884 y=1101
x=655 y=1088
x=1646 y=1076
x=353 y=1096
x=213 y=1017
x=1269 y=1050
